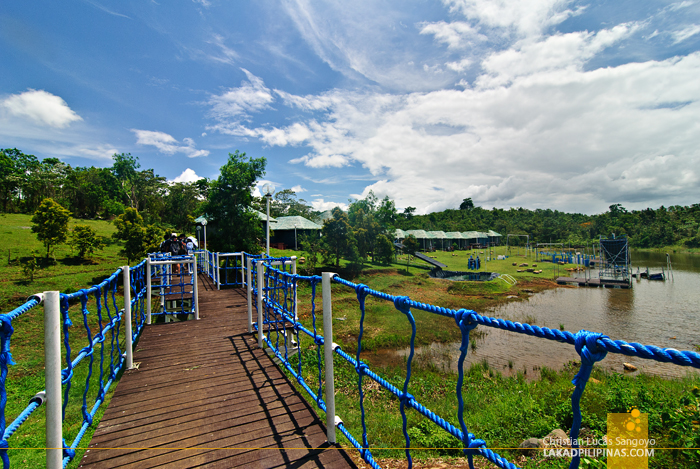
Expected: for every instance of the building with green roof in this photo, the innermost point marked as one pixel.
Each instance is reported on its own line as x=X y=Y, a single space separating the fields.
x=289 y=230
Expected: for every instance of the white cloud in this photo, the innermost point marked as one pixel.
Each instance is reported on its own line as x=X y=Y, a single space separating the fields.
x=41 y=107
x=238 y=103
x=556 y=136
x=187 y=175
x=298 y=189
x=227 y=56
x=685 y=33
x=523 y=18
x=460 y=66
x=358 y=39
x=167 y=144
x=556 y=52
x=457 y=35
x=320 y=205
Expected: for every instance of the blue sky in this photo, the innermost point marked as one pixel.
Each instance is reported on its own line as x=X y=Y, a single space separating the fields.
x=569 y=105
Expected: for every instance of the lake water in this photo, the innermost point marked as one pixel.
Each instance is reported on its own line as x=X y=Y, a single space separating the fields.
x=661 y=313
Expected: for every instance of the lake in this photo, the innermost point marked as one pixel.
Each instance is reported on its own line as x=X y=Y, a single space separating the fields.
x=661 y=313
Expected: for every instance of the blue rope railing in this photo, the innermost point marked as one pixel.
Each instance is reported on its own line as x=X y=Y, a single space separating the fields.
x=99 y=311
x=592 y=347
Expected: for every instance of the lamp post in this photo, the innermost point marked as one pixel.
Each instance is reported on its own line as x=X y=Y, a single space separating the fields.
x=295 y=236
x=204 y=224
x=268 y=190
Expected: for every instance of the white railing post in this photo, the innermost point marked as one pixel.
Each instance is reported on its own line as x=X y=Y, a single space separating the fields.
x=148 y=289
x=127 y=318
x=52 y=357
x=328 y=347
x=260 y=303
x=249 y=288
x=218 y=271
x=195 y=287
x=296 y=300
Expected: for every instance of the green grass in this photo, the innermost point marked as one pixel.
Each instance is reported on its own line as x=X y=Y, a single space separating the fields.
x=68 y=272
x=26 y=377
x=507 y=410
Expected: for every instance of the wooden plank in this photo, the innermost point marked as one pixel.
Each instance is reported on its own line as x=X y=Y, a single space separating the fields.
x=205 y=396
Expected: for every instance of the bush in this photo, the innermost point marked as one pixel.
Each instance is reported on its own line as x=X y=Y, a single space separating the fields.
x=86 y=241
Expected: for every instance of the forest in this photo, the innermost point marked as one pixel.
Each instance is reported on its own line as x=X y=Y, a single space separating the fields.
x=106 y=193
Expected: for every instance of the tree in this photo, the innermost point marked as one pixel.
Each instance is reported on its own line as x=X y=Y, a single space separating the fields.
x=285 y=204
x=311 y=245
x=466 y=204
x=408 y=212
x=229 y=204
x=86 y=241
x=410 y=246
x=338 y=238
x=385 y=250
x=50 y=223
x=182 y=201
x=139 y=238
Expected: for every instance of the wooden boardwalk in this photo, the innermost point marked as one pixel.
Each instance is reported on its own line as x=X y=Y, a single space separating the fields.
x=205 y=396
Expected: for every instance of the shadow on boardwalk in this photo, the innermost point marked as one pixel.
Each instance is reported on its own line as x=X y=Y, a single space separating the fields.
x=205 y=396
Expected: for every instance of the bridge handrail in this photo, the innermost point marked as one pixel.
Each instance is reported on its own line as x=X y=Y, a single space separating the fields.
x=591 y=347
x=105 y=341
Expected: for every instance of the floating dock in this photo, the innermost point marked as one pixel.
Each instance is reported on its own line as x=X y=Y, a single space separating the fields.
x=593 y=282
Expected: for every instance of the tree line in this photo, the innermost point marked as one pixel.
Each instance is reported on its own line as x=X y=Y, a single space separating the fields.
x=145 y=207
x=647 y=228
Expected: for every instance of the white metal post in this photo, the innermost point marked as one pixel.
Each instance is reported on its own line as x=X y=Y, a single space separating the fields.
x=195 y=288
x=260 y=303
x=52 y=357
x=127 y=318
x=218 y=271
x=148 y=290
x=296 y=300
x=267 y=250
x=249 y=288
x=328 y=355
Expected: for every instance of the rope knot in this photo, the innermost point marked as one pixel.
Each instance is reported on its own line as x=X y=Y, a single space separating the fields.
x=405 y=397
x=403 y=304
x=361 y=368
x=68 y=451
x=586 y=344
x=362 y=291
x=6 y=330
x=466 y=320
x=318 y=340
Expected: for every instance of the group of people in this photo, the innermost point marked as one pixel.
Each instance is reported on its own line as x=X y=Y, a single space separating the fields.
x=178 y=246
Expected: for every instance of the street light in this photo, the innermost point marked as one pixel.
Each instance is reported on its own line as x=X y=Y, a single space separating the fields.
x=204 y=224
x=268 y=190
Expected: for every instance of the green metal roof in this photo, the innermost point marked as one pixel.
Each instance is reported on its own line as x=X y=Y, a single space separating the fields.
x=493 y=234
x=454 y=235
x=289 y=223
x=420 y=234
x=262 y=216
x=437 y=234
x=400 y=234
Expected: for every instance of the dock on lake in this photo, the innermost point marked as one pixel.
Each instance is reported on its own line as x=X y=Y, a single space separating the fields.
x=593 y=282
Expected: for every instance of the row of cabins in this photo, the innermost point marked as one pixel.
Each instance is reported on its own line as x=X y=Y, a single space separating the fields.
x=432 y=240
x=287 y=232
